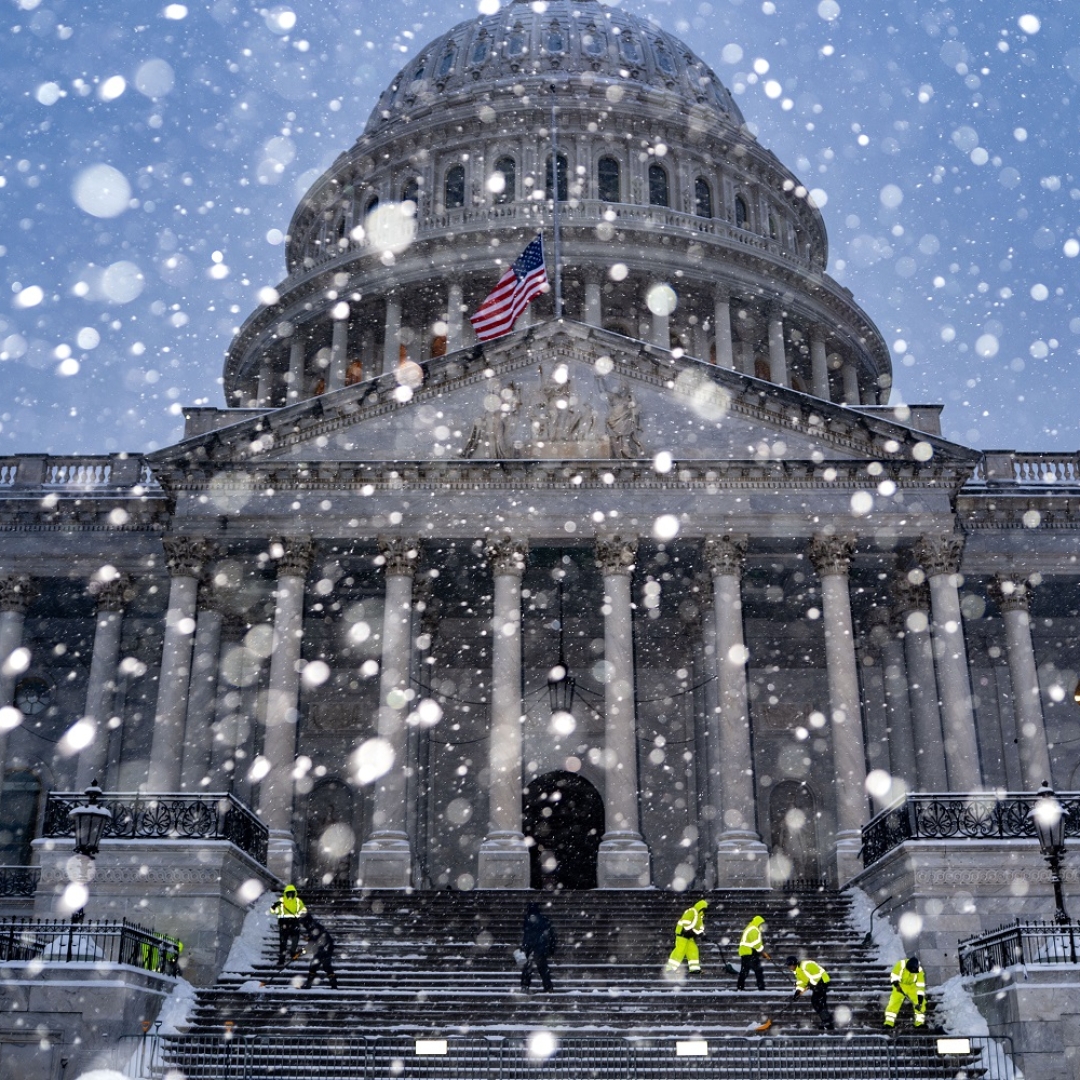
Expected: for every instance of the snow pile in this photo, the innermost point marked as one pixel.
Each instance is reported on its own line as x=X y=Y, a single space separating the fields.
x=956 y=1009
x=890 y=945
x=174 y=1012
x=247 y=948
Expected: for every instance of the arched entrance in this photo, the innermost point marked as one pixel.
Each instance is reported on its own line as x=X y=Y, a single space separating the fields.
x=793 y=826
x=563 y=815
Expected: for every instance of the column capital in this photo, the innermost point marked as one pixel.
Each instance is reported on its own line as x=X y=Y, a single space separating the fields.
x=297 y=554
x=186 y=555
x=721 y=294
x=939 y=554
x=616 y=554
x=114 y=594
x=399 y=555
x=726 y=555
x=1011 y=592
x=910 y=595
x=17 y=592
x=831 y=555
x=506 y=554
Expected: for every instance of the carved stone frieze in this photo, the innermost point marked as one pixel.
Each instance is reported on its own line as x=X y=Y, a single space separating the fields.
x=939 y=554
x=726 y=555
x=186 y=556
x=831 y=555
x=400 y=555
x=616 y=554
x=988 y=876
x=17 y=592
x=507 y=555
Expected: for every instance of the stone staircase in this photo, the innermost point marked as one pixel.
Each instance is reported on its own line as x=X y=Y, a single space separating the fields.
x=439 y=966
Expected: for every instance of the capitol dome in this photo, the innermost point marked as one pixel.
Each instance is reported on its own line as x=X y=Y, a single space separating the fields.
x=658 y=181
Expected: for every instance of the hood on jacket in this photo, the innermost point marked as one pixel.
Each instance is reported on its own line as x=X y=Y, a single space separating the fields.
x=701 y=905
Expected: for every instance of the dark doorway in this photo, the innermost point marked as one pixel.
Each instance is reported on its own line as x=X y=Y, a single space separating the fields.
x=563 y=815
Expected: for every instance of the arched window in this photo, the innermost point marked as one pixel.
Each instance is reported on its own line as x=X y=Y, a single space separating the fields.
x=591 y=41
x=418 y=74
x=608 y=180
x=554 y=43
x=507 y=168
x=515 y=43
x=773 y=233
x=411 y=191
x=702 y=198
x=455 y=187
x=479 y=50
x=630 y=49
x=658 y=185
x=563 y=192
x=663 y=58
x=741 y=215
x=446 y=64
x=373 y=204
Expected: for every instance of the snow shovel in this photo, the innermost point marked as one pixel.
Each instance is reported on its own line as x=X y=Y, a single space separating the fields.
x=729 y=967
x=762 y=1028
x=278 y=970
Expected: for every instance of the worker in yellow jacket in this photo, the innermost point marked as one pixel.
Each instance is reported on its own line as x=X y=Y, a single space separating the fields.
x=290 y=911
x=810 y=975
x=687 y=931
x=908 y=981
x=751 y=950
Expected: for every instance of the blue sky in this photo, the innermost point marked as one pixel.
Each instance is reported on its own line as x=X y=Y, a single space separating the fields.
x=151 y=155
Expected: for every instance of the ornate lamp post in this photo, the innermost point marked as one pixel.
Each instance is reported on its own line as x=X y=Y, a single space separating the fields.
x=89 y=822
x=1049 y=820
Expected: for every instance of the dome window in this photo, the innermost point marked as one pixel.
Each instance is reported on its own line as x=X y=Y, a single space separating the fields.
x=418 y=74
x=479 y=51
x=411 y=192
x=658 y=186
x=505 y=167
x=591 y=41
x=515 y=43
x=555 y=42
x=563 y=192
x=773 y=231
x=608 y=180
x=630 y=49
x=702 y=198
x=455 y=187
x=446 y=64
x=741 y=215
x=372 y=205
x=663 y=59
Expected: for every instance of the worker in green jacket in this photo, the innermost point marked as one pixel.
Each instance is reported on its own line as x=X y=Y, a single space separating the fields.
x=687 y=931
x=908 y=981
x=811 y=975
x=751 y=950
x=290 y=910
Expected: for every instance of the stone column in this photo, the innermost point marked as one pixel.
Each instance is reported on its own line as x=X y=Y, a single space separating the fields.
x=112 y=597
x=746 y=348
x=17 y=593
x=623 y=862
x=900 y=741
x=265 y=391
x=819 y=364
x=778 y=371
x=296 y=389
x=831 y=557
x=1012 y=595
x=392 y=335
x=913 y=607
x=741 y=857
x=202 y=690
x=939 y=557
x=339 y=347
x=504 y=858
x=725 y=349
x=386 y=856
x=455 y=324
x=594 y=314
x=660 y=334
x=294 y=558
x=850 y=375
x=185 y=557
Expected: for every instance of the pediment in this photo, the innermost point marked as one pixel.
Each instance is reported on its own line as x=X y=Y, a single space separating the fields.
x=561 y=391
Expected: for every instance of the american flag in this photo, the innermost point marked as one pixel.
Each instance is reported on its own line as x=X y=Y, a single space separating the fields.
x=517 y=287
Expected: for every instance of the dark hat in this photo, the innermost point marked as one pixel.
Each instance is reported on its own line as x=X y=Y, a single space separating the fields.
x=791 y=961
x=913 y=964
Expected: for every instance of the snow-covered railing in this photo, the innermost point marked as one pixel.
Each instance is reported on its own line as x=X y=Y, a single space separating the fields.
x=71 y=473
x=23 y=940
x=1021 y=943
x=1004 y=467
x=165 y=816
x=19 y=881
x=958 y=815
x=446 y=1056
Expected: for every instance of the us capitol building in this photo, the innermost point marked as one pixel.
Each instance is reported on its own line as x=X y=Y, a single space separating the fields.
x=656 y=591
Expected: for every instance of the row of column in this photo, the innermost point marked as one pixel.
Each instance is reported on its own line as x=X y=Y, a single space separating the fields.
x=346 y=345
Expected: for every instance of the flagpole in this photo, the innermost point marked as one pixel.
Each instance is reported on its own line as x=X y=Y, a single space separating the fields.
x=555 y=234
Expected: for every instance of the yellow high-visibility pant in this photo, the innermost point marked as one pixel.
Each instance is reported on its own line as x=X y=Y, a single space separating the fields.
x=688 y=948
x=896 y=1001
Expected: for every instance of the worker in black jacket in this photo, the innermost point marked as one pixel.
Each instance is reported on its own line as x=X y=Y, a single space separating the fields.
x=538 y=943
x=322 y=955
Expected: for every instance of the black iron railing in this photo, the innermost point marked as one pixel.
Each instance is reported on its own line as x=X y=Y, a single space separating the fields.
x=18 y=881
x=555 y=1056
x=978 y=816
x=144 y=816
x=1021 y=943
x=89 y=942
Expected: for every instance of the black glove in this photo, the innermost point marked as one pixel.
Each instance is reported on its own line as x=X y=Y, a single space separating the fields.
x=796 y=995
x=922 y=1000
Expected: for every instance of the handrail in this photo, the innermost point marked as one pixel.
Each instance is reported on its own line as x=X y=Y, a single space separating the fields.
x=1024 y=942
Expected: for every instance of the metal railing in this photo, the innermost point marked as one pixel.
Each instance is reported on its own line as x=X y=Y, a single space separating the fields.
x=89 y=942
x=19 y=881
x=165 y=816
x=956 y=816
x=1020 y=943
x=544 y=1055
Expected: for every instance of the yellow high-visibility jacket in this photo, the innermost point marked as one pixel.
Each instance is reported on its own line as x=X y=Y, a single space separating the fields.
x=809 y=973
x=900 y=976
x=751 y=940
x=692 y=921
